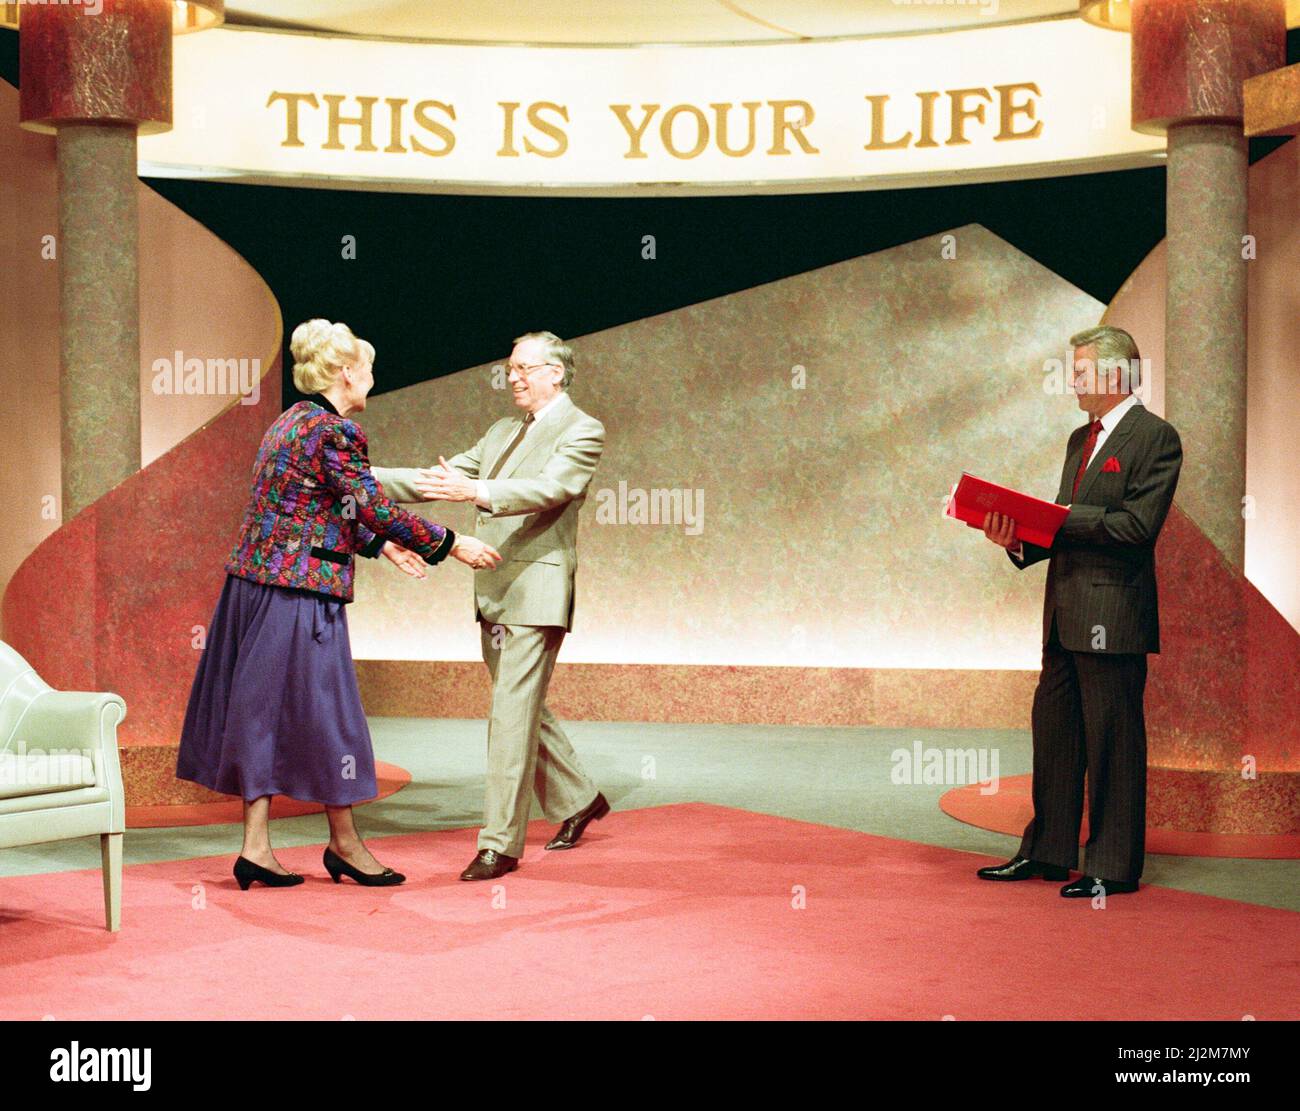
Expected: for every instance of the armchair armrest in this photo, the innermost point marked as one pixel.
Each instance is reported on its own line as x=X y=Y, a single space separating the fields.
x=79 y=720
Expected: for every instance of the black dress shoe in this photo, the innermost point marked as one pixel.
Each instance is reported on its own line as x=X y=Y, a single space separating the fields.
x=1018 y=868
x=573 y=828
x=248 y=873
x=1085 y=887
x=337 y=867
x=489 y=865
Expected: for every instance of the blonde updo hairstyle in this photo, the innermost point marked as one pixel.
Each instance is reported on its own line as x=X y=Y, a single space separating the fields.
x=322 y=349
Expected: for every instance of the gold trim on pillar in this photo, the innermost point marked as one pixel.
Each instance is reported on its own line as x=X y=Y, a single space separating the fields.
x=197 y=15
x=187 y=15
x=1117 y=15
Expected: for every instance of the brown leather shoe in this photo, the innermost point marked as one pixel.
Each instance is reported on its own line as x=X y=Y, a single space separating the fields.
x=489 y=865
x=573 y=828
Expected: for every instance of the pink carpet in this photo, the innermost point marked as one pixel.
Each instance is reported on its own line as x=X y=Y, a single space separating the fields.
x=675 y=912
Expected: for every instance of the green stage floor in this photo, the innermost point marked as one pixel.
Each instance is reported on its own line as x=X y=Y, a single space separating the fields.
x=835 y=776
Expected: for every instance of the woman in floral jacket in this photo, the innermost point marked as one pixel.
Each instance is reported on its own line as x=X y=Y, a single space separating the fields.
x=275 y=708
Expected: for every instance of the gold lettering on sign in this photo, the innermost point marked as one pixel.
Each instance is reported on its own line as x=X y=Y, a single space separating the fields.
x=780 y=125
x=441 y=130
x=701 y=131
x=960 y=113
x=684 y=131
x=878 y=140
x=395 y=106
x=337 y=121
x=634 y=134
x=721 y=111
x=291 y=103
x=508 y=138
x=547 y=127
x=927 y=138
x=1008 y=111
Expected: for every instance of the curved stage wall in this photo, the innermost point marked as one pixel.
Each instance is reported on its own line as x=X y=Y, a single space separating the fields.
x=114 y=599
x=1224 y=691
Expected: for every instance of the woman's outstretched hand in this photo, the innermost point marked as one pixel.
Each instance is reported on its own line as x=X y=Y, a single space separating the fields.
x=473 y=552
x=406 y=561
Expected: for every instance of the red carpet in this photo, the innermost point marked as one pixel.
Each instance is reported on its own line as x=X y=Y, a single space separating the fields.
x=675 y=912
x=1009 y=811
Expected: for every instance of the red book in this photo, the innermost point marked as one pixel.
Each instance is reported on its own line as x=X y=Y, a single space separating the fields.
x=1036 y=520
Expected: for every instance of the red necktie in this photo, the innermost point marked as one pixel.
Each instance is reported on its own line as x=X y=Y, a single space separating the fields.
x=1094 y=430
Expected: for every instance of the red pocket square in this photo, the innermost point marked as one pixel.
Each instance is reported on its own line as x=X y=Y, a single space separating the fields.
x=1111 y=466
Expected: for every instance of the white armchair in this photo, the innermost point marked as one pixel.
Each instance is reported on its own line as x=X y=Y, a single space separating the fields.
x=59 y=771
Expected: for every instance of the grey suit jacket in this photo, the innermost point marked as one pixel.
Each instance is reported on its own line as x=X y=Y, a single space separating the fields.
x=1101 y=581
x=534 y=518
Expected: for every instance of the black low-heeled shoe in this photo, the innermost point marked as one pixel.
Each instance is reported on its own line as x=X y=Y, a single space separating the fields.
x=337 y=867
x=247 y=873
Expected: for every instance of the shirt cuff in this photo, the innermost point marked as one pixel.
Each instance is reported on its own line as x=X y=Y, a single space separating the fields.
x=483 y=499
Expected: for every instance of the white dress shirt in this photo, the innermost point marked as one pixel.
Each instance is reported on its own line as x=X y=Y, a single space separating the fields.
x=1108 y=423
x=482 y=499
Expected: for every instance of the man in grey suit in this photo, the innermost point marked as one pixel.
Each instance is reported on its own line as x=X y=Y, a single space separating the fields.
x=1100 y=619
x=528 y=476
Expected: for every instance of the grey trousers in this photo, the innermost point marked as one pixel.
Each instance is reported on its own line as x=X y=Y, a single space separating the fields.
x=527 y=749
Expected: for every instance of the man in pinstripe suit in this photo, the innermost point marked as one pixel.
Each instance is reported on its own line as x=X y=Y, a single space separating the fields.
x=1099 y=620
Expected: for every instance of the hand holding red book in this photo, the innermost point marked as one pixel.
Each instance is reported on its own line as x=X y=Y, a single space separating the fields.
x=1036 y=520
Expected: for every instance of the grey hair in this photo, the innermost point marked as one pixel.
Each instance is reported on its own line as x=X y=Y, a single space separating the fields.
x=555 y=350
x=1115 y=349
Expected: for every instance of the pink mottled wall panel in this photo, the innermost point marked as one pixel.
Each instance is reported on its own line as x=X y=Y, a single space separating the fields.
x=822 y=543
x=29 y=328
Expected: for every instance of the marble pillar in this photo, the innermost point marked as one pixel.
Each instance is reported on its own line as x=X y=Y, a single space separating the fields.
x=96 y=79
x=1190 y=58
x=99 y=290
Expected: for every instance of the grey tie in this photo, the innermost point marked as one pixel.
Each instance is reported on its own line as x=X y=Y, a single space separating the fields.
x=505 y=455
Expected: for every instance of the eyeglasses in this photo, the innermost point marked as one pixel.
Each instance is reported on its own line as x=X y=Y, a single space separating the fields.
x=527 y=369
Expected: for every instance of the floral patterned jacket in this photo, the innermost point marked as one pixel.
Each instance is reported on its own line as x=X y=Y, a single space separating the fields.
x=314 y=505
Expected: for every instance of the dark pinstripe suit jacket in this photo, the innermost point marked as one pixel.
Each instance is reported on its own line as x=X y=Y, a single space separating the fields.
x=1101 y=581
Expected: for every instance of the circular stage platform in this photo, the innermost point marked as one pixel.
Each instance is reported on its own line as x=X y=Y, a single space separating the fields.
x=1009 y=809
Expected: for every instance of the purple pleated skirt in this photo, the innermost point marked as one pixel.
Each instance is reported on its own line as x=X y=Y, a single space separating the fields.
x=274 y=709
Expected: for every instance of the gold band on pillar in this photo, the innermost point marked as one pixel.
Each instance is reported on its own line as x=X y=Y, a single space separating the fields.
x=1117 y=15
x=187 y=15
